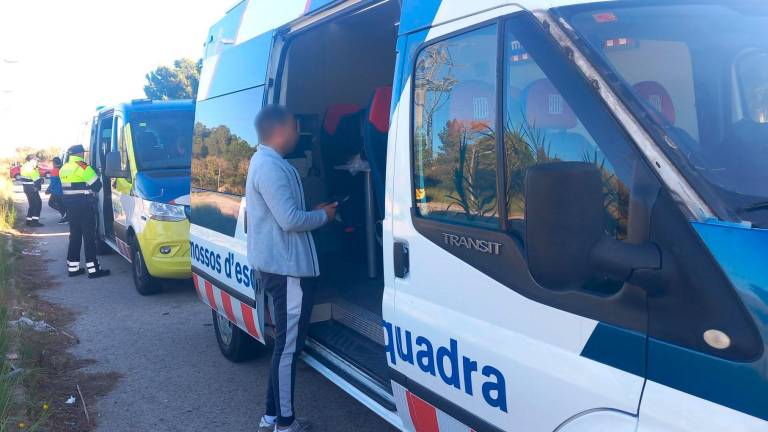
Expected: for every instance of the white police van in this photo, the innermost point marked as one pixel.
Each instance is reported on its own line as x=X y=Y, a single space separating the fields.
x=557 y=215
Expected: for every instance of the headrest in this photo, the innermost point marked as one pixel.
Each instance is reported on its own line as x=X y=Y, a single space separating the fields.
x=378 y=114
x=334 y=114
x=546 y=108
x=473 y=102
x=658 y=97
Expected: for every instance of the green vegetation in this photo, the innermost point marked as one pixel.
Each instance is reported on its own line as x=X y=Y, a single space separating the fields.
x=7 y=210
x=16 y=413
x=177 y=82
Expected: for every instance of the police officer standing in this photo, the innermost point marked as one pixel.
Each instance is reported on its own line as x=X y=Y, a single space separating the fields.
x=79 y=183
x=31 y=181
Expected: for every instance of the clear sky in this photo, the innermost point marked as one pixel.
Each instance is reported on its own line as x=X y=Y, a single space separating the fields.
x=60 y=59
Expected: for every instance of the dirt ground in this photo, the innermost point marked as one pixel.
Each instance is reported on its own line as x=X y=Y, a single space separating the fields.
x=53 y=373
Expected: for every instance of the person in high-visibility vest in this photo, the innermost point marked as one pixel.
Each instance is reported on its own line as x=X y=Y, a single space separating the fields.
x=32 y=182
x=79 y=184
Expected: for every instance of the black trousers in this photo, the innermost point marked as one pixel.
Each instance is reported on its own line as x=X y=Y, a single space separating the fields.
x=34 y=201
x=291 y=307
x=82 y=232
x=55 y=202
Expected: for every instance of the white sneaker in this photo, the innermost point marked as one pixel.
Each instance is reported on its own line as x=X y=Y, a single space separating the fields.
x=266 y=425
x=298 y=425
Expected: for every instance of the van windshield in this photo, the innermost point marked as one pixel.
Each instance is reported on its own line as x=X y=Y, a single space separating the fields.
x=697 y=76
x=162 y=139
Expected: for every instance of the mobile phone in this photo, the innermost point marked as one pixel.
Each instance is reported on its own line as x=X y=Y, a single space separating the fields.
x=340 y=199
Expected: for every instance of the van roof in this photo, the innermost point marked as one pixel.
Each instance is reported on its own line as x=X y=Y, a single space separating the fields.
x=142 y=105
x=248 y=19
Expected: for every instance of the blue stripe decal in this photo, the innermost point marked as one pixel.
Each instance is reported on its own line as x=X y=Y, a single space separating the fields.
x=162 y=186
x=743 y=255
x=739 y=386
x=617 y=347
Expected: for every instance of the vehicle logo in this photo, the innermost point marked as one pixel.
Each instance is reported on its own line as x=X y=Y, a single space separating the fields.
x=483 y=246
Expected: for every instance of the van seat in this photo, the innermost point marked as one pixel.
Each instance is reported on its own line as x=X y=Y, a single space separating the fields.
x=547 y=111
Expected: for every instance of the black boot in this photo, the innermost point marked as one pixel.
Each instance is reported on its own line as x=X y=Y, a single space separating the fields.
x=77 y=272
x=35 y=224
x=98 y=273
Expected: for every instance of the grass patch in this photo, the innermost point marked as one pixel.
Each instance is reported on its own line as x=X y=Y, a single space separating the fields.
x=7 y=210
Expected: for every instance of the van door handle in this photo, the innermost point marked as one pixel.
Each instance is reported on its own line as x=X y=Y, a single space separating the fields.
x=401 y=259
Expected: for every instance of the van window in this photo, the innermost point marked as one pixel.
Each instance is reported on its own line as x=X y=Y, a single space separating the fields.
x=455 y=129
x=455 y=145
x=125 y=163
x=224 y=141
x=161 y=139
x=539 y=127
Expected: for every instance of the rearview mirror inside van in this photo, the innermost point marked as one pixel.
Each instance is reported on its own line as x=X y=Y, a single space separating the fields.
x=565 y=237
x=113 y=166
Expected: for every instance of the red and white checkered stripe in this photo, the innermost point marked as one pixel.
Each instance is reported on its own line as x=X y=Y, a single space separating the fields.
x=237 y=312
x=420 y=416
x=124 y=249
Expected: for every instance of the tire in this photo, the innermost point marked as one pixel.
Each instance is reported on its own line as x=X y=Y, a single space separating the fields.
x=235 y=344
x=144 y=282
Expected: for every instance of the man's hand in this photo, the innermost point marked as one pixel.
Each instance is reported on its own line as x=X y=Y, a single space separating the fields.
x=330 y=210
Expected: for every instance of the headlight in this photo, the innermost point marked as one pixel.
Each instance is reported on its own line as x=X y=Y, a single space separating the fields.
x=164 y=212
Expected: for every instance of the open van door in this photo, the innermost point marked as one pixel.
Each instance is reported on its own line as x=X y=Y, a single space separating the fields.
x=494 y=317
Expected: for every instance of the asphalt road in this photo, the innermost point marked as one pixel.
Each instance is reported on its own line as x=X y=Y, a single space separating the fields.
x=174 y=378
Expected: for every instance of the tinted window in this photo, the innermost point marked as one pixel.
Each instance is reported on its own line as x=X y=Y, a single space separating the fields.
x=161 y=139
x=455 y=129
x=224 y=141
x=540 y=126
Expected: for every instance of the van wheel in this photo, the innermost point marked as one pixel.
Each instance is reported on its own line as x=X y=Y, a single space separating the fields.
x=235 y=344
x=143 y=281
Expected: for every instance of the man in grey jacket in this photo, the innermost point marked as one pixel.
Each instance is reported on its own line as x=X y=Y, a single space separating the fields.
x=281 y=248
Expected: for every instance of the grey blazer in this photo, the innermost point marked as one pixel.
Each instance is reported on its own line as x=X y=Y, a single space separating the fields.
x=279 y=237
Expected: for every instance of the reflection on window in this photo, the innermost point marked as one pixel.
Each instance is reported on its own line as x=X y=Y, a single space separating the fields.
x=540 y=127
x=753 y=77
x=224 y=141
x=455 y=129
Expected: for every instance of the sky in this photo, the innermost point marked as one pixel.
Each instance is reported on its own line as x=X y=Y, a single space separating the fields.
x=60 y=59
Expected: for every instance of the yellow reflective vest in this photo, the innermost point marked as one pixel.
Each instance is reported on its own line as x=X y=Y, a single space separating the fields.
x=77 y=176
x=29 y=172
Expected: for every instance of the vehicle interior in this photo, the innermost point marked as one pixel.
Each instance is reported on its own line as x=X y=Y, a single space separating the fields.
x=340 y=90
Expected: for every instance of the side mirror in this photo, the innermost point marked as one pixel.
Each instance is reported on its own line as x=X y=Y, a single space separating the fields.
x=565 y=236
x=113 y=166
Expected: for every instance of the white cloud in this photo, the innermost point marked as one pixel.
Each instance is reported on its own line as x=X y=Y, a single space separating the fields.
x=59 y=60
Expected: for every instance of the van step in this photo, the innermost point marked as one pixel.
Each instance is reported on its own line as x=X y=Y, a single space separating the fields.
x=363 y=353
x=359 y=319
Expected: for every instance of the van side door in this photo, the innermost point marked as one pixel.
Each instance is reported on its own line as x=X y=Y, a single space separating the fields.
x=122 y=198
x=473 y=339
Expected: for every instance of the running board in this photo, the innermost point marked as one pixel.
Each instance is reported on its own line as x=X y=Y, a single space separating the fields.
x=353 y=381
x=358 y=319
x=120 y=247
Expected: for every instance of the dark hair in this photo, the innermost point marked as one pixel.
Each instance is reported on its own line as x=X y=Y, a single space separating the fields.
x=57 y=162
x=30 y=157
x=270 y=118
